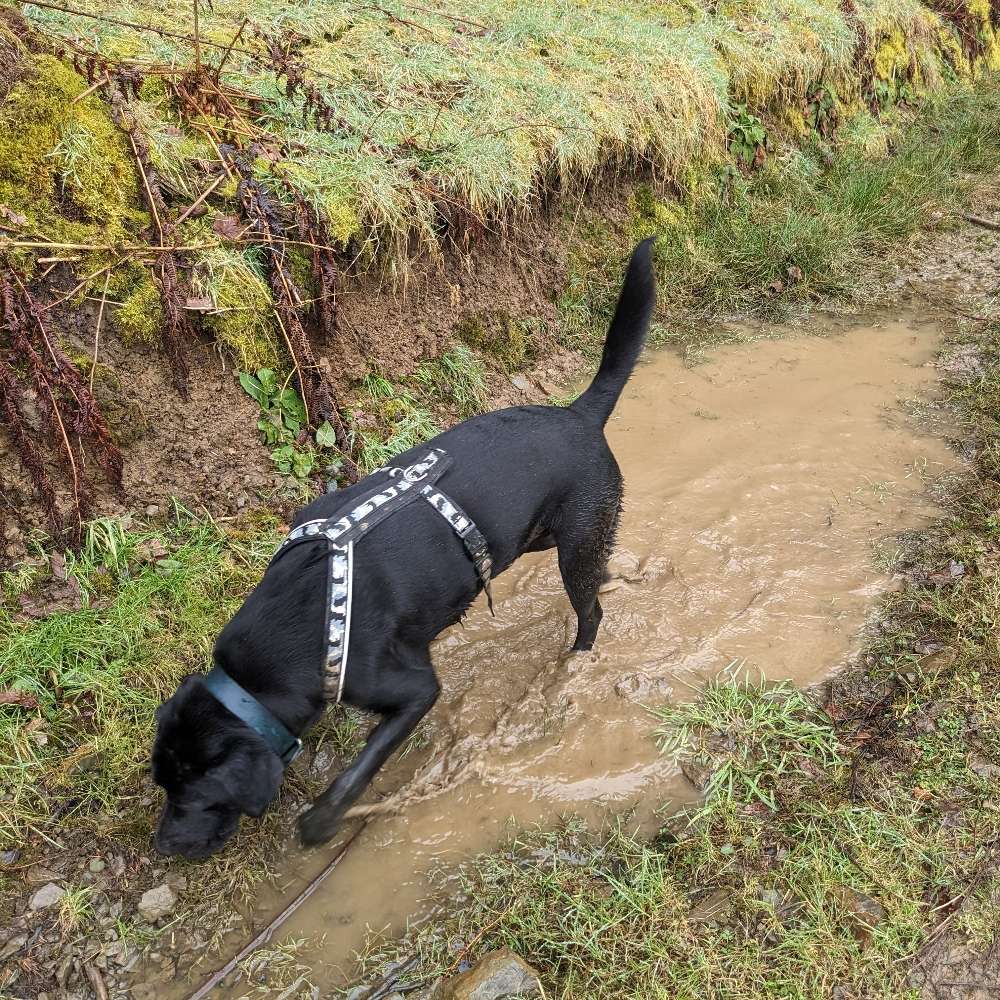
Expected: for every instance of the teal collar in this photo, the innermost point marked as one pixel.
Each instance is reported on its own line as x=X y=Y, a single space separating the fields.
x=249 y=710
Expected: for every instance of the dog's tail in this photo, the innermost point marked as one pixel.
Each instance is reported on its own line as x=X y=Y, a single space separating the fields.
x=625 y=337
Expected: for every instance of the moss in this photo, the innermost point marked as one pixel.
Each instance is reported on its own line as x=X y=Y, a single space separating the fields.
x=342 y=221
x=300 y=265
x=336 y=202
x=950 y=48
x=249 y=334
x=249 y=526
x=794 y=122
x=62 y=162
x=243 y=319
x=503 y=338
x=892 y=58
x=139 y=318
x=153 y=89
x=979 y=9
x=650 y=215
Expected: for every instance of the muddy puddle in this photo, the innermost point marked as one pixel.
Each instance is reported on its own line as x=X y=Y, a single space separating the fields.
x=759 y=485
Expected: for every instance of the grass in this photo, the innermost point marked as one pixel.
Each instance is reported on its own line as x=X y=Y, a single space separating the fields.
x=397 y=417
x=770 y=731
x=98 y=672
x=806 y=225
x=401 y=423
x=459 y=377
x=406 y=127
x=146 y=605
x=843 y=833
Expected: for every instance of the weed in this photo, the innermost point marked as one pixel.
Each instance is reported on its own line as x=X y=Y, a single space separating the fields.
x=134 y=935
x=283 y=427
x=74 y=909
x=746 y=136
x=459 y=377
x=755 y=735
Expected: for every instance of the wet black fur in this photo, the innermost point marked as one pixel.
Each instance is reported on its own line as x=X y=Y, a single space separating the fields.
x=531 y=477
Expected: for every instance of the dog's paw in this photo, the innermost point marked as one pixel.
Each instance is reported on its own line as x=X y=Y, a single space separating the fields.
x=320 y=823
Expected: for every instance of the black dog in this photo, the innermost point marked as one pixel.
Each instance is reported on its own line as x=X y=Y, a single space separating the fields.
x=531 y=477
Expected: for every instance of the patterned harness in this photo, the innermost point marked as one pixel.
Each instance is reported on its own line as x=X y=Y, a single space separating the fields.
x=341 y=532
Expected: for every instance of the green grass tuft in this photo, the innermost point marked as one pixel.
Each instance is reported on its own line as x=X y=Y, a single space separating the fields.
x=805 y=225
x=457 y=377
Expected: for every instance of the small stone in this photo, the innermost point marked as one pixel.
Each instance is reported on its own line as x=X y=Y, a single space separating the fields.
x=497 y=976
x=521 y=382
x=984 y=768
x=64 y=969
x=698 y=772
x=152 y=510
x=157 y=903
x=713 y=909
x=177 y=882
x=15 y=944
x=46 y=896
x=9 y=857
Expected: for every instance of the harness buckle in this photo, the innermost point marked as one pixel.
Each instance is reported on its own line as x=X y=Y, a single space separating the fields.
x=417 y=472
x=412 y=477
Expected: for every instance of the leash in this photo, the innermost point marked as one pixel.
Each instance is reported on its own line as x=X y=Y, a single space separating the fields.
x=267 y=933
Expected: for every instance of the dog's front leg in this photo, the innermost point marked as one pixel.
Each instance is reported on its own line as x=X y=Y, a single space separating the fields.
x=320 y=823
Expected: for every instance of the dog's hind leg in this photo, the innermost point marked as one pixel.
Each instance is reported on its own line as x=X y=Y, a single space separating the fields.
x=585 y=544
x=418 y=681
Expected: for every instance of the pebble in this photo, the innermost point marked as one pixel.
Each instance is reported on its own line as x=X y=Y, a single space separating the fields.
x=46 y=896
x=157 y=903
x=12 y=946
x=97 y=865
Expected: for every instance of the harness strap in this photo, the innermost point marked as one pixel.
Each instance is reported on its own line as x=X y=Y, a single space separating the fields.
x=472 y=538
x=341 y=532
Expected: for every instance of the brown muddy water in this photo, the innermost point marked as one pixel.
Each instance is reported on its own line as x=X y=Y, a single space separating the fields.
x=759 y=487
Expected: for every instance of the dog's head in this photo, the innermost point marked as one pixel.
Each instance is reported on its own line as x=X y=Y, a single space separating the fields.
x=213 y=768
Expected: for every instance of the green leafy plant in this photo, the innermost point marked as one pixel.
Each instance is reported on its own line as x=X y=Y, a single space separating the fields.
x=822 y=110
x=746 y=135
x=282 y=425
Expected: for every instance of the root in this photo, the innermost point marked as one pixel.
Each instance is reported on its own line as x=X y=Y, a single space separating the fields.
x=36 y=378
x=177 y=330
x=261 y=214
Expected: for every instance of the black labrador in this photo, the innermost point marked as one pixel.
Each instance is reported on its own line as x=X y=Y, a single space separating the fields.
x=531 y=477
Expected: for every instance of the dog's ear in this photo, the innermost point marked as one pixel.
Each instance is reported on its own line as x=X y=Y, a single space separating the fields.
x=259 y=790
